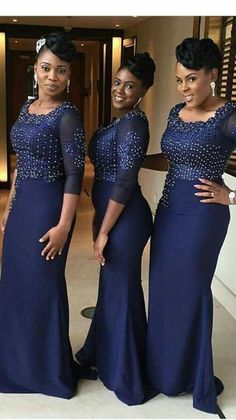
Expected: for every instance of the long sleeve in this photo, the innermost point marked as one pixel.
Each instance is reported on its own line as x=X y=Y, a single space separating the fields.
x=73 y=150
x=132 y=142
x=228 y=128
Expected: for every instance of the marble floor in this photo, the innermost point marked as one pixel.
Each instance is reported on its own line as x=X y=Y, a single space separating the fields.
x=93 y=400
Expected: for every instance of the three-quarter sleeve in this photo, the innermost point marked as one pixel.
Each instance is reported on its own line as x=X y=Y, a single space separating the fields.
x=72 y=141
x=132 y=141
x=228 y=127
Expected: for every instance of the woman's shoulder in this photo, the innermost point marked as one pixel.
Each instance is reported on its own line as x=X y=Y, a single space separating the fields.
x=68 y=106
x=176 y=108
x=68 y=111
x=135 y=114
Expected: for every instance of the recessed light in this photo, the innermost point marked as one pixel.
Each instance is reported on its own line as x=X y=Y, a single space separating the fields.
x=16 y=42
x=117 y=25
x=82 y=45
x=14 y=20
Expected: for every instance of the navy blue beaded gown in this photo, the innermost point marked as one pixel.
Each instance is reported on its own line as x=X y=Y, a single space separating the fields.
x=35 y=350
x=185 y=245
x=117 y=336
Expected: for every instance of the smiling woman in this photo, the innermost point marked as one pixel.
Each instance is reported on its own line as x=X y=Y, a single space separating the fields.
x=122 y=226
x=38 y=222
x=190 y=226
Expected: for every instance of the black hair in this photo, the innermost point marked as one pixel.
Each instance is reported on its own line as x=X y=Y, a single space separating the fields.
x=197 y=54
x=59 y=44
x=142 y=66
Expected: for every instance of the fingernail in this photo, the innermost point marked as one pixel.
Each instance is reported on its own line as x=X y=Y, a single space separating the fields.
x=40 y=240
x=102 y=263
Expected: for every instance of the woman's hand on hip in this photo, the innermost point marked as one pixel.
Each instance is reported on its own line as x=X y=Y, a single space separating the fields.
x=99 y=246
x=211 y=192
x=56 y=238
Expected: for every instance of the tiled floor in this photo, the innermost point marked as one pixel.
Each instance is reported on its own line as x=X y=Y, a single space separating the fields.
x=93 y=400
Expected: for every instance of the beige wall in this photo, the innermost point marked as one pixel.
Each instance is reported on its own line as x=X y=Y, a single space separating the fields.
x=224 y=286
x=159 y=36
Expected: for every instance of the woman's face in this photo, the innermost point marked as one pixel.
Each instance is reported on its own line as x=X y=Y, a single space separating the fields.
x=194 y=85
x=126 y=91
x=52 y=74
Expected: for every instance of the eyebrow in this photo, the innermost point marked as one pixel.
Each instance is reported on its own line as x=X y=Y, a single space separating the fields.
x=190 y=74
x=127 y=81
x=49 y=64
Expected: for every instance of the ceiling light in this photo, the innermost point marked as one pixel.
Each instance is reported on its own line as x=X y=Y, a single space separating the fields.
x=117 y=25
x=14 y=20
x=16 y=42
x=82 y=45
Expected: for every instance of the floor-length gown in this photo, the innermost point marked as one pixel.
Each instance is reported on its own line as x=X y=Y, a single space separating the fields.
x=35 y=350
x=117 y=336
x=185 y=245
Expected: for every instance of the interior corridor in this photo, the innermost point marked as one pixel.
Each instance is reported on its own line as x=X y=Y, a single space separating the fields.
x=93 y=400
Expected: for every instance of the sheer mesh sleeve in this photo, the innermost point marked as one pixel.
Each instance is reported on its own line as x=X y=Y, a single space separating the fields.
x=132 y=143
x=228 y=128
x=73 y=150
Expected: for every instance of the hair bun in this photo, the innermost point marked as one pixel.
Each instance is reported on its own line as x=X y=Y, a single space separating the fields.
x=196 y=54
x=143 y=67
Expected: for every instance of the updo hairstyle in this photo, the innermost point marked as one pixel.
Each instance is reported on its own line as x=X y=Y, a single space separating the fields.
x=196 y=54
x=59 y=44
x=142 y=66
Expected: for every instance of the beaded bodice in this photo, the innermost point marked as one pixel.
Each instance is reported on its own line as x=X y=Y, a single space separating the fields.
x=117 y=151
x=49 y=146
x=197 y=149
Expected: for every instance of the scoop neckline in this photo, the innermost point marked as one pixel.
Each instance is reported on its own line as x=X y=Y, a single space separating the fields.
x=210 y=119
x=42 y=115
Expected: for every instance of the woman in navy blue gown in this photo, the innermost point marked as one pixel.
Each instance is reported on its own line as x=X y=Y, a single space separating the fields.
x=189 y=229
x=123 y=223
x=48 y=139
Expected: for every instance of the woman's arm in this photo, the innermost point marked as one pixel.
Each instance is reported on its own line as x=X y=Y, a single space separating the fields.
x=73 y=152
x=112 y=214
x=211 y=192
x=156 y=162
x=132 y=143
x=9 y=201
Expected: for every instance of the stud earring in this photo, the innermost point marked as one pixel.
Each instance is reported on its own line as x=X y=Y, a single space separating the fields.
x=35 y=81
x=213 y=86
x=68 y=86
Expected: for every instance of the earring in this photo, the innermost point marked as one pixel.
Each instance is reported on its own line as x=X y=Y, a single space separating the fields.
x=213 y=86
x=35 y=81
x=138 y=102
x=68 y=86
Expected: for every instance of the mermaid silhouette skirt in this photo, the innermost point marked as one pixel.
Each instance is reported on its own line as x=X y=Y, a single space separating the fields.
x=185 y=245
x=116 y=341
x=35 y=350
